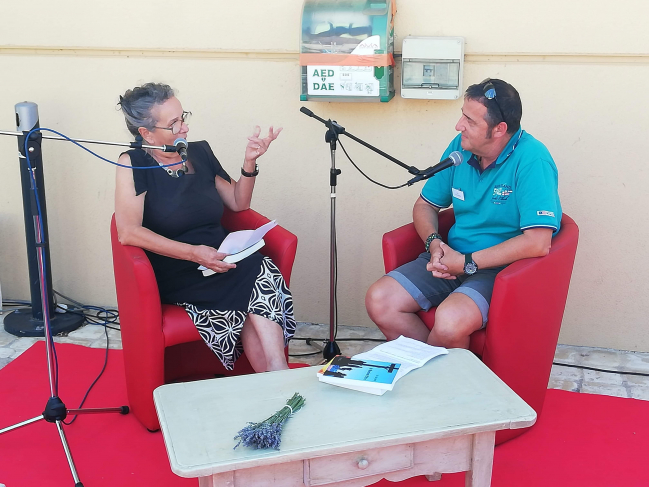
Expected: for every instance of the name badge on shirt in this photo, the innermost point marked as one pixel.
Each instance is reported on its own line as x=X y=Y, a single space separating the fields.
x=458 y=194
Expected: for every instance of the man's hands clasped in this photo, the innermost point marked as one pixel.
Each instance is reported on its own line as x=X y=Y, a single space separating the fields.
x=445 y=262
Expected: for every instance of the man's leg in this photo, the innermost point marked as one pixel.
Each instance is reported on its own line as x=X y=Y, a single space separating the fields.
x=455 y=319
x=393 y=310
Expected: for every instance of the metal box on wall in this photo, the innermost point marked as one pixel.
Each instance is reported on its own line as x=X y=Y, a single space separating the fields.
x=432 y=67
x=346 y=50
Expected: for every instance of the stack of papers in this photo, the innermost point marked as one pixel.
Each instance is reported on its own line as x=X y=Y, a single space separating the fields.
x=377 y=370
x=241 y=244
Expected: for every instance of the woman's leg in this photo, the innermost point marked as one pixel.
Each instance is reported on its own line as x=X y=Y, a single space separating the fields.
x=252 y=347
x=263 y=343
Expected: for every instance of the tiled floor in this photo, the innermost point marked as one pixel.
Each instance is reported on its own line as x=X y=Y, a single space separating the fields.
x=571 y=379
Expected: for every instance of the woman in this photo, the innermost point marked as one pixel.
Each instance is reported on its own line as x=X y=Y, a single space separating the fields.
x=174 y=213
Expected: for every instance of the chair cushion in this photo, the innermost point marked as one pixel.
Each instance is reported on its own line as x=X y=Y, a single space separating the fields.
x=177 y=326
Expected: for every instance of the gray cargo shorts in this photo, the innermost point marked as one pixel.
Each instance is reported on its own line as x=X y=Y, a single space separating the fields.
x=430 y=291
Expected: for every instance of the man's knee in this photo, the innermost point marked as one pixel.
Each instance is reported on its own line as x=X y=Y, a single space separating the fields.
x=456 y=321
x=377 y=299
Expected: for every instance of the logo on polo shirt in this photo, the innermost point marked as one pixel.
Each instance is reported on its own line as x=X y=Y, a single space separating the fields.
x=501 y=194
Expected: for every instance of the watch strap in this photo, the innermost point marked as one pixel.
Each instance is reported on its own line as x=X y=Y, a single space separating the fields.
x=470 y=267
x=430 y=239
x=250 y=174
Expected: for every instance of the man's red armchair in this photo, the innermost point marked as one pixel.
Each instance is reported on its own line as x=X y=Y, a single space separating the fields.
x=160 y=342
x=525 y=315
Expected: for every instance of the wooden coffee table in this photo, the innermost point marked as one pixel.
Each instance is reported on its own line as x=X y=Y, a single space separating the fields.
x=440 y=418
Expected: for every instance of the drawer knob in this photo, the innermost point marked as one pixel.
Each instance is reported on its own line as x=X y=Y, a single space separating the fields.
x=363 y=463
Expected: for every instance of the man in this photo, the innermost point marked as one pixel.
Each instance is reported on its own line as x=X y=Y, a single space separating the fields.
x=506 y=204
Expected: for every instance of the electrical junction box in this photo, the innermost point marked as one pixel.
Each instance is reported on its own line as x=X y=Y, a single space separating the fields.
x=432 y=67
x=346 y=50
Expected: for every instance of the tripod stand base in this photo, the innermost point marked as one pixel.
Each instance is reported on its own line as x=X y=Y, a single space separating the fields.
x=21 y=323
x=330 y=350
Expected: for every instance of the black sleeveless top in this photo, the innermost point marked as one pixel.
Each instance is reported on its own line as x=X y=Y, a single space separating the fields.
x=188 y=209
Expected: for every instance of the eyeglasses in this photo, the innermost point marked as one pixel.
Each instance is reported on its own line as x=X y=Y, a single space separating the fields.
x=178 y=124
x=490 y=94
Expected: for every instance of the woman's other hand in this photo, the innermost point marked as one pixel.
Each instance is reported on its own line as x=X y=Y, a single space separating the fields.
x=257 y=147
x=211 y=258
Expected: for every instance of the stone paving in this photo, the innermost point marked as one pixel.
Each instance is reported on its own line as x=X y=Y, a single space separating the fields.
x=567 y=378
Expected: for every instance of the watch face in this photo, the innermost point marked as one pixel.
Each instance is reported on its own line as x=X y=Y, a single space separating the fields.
x=470 y=268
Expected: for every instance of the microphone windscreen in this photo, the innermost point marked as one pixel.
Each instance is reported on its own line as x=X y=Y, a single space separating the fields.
x=456 y=157
x=180 y=141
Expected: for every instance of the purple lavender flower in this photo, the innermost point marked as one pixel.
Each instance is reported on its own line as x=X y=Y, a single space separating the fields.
x=268 y=433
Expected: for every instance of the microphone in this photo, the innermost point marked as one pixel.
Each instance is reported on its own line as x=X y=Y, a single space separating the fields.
x=454 y=159
x=306 y=111
x=180 y=145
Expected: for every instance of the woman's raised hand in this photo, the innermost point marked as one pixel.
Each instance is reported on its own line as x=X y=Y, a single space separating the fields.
x=257 y=147
x=211 y=258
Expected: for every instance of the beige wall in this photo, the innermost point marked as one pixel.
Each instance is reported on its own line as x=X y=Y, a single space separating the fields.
x=580 y=69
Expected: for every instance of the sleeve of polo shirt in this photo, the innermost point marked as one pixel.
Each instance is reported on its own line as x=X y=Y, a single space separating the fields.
x=437 y=190
x=537 y=195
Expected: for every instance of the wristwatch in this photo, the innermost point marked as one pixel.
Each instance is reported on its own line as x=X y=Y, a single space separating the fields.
x=430 y=239
x=250 y=174
x=470 y=267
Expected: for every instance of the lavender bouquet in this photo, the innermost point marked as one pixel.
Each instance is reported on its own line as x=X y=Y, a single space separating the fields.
x=268 y=433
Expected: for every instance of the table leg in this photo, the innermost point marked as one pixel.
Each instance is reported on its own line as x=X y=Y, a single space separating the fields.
x=225 y=479
x=482 y=459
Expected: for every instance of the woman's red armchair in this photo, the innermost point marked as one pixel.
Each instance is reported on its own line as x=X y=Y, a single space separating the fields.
x=526 y=310
x=160 y=342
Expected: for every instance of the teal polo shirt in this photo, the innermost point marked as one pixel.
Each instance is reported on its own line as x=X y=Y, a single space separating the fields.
x=518 y=191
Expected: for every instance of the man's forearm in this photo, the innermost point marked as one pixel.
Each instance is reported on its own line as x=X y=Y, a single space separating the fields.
x=424 y=217
x=532 y=243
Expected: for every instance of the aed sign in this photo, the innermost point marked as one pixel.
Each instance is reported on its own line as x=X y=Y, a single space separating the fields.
x=323 y=80
x=342 y=81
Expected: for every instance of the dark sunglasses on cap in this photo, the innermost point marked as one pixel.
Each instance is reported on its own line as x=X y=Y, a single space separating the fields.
x=489 y=91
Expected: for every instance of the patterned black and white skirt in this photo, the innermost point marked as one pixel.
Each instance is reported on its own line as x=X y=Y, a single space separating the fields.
x=221 y=330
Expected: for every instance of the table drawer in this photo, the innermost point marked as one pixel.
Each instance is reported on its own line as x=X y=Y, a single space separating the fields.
x=347 y=466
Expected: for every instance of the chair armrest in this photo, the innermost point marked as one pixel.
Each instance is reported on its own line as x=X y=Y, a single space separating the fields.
x=281 y=245
x=403 y=244
x=140 y=315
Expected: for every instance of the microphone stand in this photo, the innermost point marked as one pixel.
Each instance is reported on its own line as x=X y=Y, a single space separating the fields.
x=334 y=130
x=55 y=410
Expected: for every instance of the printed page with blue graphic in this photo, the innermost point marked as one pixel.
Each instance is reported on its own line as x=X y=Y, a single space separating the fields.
x=366 y=376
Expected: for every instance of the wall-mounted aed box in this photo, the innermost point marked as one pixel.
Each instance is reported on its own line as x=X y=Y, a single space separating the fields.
x=346 y=50
x=432 y=67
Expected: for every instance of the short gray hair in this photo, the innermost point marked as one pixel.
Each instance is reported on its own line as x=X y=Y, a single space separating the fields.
x=136 y=105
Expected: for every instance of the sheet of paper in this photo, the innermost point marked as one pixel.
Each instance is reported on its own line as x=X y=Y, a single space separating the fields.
x=411 y=354
x=237 y=241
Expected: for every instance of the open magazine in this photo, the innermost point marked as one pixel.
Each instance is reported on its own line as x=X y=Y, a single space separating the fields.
x=405 y=353
x=241 y=244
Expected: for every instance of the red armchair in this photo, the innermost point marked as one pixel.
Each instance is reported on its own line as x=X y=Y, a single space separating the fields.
x=525 y=315
x=160 y=342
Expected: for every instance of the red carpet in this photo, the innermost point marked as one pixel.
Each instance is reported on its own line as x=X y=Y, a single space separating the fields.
x=580 y=440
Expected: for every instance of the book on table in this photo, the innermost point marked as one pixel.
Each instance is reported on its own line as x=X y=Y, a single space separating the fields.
x=241 y=244
x=365 y=375
x=398 y=357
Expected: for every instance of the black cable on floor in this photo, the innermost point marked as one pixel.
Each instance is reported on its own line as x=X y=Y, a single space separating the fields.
x=601 y=370
x=93 y=382
x=307 y=339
